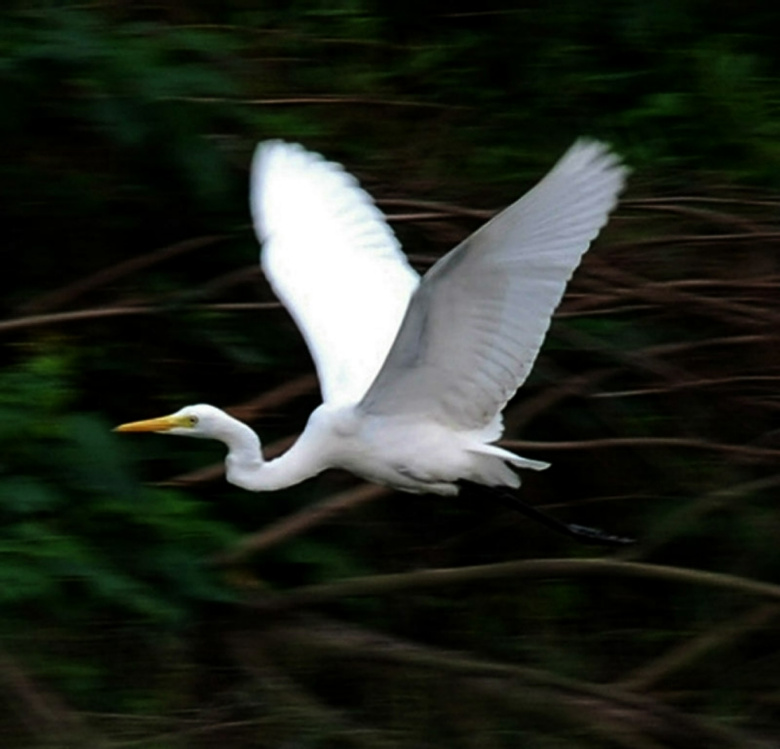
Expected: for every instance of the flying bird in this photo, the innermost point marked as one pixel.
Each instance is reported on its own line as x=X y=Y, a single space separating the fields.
x=414 y=372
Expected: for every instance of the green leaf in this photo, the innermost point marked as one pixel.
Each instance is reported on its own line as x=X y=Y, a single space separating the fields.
x=24 y=495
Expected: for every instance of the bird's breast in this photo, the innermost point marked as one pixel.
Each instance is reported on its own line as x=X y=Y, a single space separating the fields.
x=403 y=453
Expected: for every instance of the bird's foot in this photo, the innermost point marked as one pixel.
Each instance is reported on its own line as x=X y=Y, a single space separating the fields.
x=596 y=536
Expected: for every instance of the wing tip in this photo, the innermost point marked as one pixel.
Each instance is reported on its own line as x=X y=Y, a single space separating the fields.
x=274 y=153
x=593 y=154
x=278 y=169
x=283 y=160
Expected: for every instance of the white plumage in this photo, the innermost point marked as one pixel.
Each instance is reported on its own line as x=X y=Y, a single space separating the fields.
x=333 y=260
x=414 y=372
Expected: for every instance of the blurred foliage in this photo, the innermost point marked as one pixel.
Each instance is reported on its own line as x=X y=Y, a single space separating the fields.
x=125 y=134
x=84 y=547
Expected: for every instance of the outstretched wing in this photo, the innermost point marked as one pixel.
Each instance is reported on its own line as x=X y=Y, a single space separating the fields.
x=333 y=261
x=475 y=324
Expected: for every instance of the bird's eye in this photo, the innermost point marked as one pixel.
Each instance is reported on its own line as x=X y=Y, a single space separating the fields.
x=192 y=420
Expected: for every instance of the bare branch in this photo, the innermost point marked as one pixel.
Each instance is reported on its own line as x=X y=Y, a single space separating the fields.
x=286 y=101
x=696 y=649
x=672 y=442
x=43 y=713
x=507 y=683
x=100 y=313
x=687 y=516
x=545 y=569
x=105 y=276
x=294 y=525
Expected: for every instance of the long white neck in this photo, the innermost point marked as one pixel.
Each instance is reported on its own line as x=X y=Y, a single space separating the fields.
x=246 y=467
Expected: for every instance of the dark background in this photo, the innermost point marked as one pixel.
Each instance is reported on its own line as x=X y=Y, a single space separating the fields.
x=129 y=288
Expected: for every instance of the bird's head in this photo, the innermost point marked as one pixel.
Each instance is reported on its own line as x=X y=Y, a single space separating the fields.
x=201 y=420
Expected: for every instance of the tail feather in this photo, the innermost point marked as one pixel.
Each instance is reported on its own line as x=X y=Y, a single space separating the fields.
x=491 y=469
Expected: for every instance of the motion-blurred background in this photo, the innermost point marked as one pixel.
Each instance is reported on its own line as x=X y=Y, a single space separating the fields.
x=140 y=594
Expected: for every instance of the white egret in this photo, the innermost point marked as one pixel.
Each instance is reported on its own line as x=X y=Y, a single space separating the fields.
x=414 y=372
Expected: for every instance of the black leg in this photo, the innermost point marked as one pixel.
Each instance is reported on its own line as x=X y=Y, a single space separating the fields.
x=581 y=533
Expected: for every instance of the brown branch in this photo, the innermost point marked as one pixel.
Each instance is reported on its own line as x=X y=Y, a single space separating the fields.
x=444 y=209
x=644 y=202
x=534 y=569
x=67 y=294
x=589 y=301
x=398 y=218
x=308 y=100
x=295 y=524
x=220 y=284
x=43 y=713
x=59 y=318
x=646 y=360
x=300 y=706
x=706 y=214
x=573 y=310
x=689 y=652
x=175 y=736
x=508 y=683
x=681 y=240
x=275 y=398
x=674 y=442
x=704 y=382
x=520 y=414
x=663 y=293
x=770 y=283
x=664 y=349
x=687 y=516
x=100 y=313
x=649 y=358
x=239 y=306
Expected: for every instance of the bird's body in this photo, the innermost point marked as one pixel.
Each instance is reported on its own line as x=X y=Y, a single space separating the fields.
x=410 y=453
x=376 y=448
x=414 y=372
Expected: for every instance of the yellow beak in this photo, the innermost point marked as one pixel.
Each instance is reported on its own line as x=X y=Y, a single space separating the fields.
x=161 y=424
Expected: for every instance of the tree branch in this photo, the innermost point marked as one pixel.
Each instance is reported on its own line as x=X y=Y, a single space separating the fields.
x=545 y=569
x=294 y=525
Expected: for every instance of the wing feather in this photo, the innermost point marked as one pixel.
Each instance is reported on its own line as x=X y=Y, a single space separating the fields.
x=331 y=258
x=478 y=319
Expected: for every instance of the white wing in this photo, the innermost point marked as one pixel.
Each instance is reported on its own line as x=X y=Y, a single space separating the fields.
x=480 y=315
x=333 y=261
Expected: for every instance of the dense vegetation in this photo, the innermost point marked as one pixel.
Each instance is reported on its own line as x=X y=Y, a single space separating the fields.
x=147 y=603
